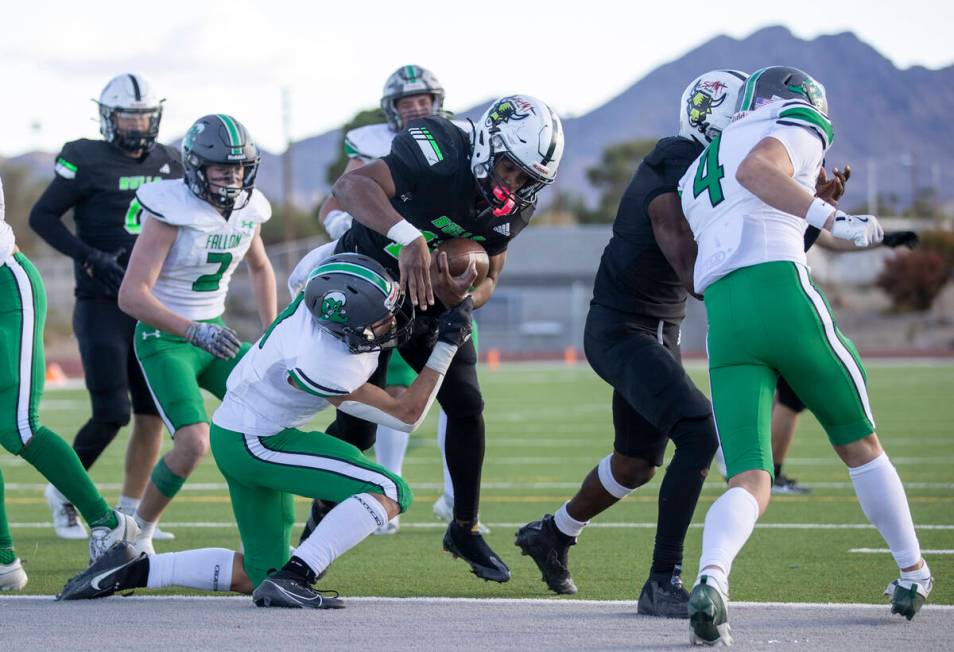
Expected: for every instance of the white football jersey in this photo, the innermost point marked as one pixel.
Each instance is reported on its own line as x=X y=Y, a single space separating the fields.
x=733 y=227
x=7 y=241
x=286 y=377
x=195 y=276
x=374 y=141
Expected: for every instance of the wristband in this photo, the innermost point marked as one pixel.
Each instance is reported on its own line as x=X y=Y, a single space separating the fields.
x=819 y=212
x=404 y=233
x=441 y=357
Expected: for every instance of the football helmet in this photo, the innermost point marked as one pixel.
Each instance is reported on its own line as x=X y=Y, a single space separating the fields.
x=129 y=94
x=349 y=293
x=526 y=131
x=219 y=139
x=708 y=103
x=777 y=83
x=405 y=81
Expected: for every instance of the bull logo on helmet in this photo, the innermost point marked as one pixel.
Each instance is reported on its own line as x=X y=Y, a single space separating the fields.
x=509 y=108
x=705 y=96
x=190 y=136
x=332 y=308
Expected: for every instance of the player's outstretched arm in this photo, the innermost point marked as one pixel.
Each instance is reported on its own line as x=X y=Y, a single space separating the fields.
x=674 y=236
x=135 y=294
x=262 y=277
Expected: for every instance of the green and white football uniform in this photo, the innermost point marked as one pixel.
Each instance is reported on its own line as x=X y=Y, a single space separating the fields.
x=192 y=283
x=277 y=387
x=766 y=316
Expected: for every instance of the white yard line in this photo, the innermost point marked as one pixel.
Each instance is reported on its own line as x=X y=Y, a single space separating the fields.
x=884 y=551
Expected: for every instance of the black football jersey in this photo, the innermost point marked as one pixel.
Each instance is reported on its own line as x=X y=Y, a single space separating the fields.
x=99 y=183
x=634 y=275
x=436 y=192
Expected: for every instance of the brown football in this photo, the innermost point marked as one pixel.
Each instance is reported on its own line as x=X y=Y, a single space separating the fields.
x=459 y=253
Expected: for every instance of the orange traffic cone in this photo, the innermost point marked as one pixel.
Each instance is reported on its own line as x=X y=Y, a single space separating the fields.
x=569 y=355
x=493 y=359
x=54 y=375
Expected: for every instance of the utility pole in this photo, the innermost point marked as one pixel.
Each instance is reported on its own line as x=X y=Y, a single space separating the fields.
x=287 y=182
x=872 y=187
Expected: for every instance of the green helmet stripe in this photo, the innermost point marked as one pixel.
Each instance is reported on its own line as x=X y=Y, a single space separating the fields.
x=232 y=130
x=748 y=91
x=409 y=70
x=812 y=117
x=351 y=269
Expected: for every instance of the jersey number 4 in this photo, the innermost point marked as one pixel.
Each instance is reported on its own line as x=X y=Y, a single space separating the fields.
x=709 y=174
x=210 y=282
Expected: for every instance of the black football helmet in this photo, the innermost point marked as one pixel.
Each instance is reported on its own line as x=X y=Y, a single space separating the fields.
x=405 y=81
x=219 y=139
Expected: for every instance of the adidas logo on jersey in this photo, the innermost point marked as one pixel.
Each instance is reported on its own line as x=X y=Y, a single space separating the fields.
x=164 y=169
x=503 y=229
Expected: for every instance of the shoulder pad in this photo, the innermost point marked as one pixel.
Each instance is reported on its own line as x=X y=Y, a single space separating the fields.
x=258 y=209
x=675 y=148
x=369 y=142
x=438 y=139
x=803 y=114
x=171 y=201
x=70 y=158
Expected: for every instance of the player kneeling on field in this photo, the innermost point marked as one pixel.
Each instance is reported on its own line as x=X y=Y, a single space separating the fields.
x=320 y=351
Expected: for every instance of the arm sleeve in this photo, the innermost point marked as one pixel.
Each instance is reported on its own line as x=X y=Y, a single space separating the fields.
x=46 y=217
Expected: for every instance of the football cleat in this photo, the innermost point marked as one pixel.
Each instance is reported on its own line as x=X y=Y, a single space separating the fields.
x=288 y=590
x=471 y=547
x=664 y=596
x=102 y=539
x=786 y=486
x=391 y=527
x=66 y=522
x=12 y=576
x=908 y=596
x=162 y=535
x=112 y=572
x=542 y=541
x=708 y=616
x=443 y=509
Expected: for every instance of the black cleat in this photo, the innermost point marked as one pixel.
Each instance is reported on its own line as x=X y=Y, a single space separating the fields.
x=319 y=509
x=548 y=548
x=117 y=569
x=471 y=547
x=288 y=590
x=664 y=596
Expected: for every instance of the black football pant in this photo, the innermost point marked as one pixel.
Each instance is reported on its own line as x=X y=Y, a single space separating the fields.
x=105 y=337
x=460 y=399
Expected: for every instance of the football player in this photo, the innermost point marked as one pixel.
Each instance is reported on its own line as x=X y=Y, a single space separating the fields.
x=22 y=369
x=632 y=341
x=320 y=351
x=440 y=182
x=410 y=92
x=195 y=232
x=748 y=199
x=98 y=180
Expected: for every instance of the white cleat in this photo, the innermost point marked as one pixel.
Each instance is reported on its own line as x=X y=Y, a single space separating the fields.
x=391 y=527
x=162 y=535
x=143 y=545
x=12 y=576
x=443 y=509
x=66 y=522
x=102 y=539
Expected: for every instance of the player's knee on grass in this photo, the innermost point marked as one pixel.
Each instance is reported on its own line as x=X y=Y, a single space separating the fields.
x=860 y=451
x=190 y=445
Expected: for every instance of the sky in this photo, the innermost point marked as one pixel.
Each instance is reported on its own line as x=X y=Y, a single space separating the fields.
x=331 y=59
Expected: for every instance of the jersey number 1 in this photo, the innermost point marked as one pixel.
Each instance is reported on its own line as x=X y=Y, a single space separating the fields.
x=709 y=174
x=210 y=282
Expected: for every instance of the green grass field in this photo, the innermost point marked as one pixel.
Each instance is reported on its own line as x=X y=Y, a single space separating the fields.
x=546 y=427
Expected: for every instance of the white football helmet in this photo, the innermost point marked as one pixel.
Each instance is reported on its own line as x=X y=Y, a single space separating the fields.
x=708 y=103
x=528 y=133
x=129 y=94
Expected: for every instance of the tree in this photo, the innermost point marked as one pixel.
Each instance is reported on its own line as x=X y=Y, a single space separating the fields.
x=362 y=118
x=611 y=176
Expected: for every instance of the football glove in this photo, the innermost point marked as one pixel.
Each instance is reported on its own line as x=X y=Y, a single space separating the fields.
x=907 y=239
x=863 y=230
x=454 y=326
x=105 y=269
x=220 y=341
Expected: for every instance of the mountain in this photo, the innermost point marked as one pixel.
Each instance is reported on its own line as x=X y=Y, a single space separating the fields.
x=894 y=121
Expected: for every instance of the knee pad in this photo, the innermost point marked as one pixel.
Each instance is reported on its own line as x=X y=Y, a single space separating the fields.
x=111 y=407
x=605 y=472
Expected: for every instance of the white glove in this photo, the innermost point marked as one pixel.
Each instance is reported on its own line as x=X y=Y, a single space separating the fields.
x=220 y=341
x=863 y=230
x=337 y=223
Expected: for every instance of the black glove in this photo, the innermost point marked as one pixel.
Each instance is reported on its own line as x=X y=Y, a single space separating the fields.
x=907 y=239
x=104 y=268
x=454 y=326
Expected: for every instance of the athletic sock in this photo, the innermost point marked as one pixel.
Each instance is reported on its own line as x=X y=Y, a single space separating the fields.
x=146 y=528
x=206 y=569
x=921 y=574
x=58 y=463
x=566 y=524
x=6 y=539
x=729 y=524
x=128 y=505
x=7 y=555
x=696 y=442
x=441 y=441
x=464 y=446
x=390 y=447
x=344 y=527
x=92 y=439
x=778 y=470
x=884 y=502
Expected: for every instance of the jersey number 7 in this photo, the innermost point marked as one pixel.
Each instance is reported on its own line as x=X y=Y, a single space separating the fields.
x=709 y=174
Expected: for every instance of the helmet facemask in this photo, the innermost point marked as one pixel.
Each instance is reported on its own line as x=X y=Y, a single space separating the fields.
x=130 y=140
x=504 y=201
x=363 y=339
x=227 y=197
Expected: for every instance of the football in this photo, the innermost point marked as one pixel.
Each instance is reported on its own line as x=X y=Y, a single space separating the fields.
x=459 y=252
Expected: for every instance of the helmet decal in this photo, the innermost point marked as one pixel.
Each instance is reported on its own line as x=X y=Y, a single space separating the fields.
x=509 y=108
x=705 y=96
x=332 y=307
x=194 y=131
